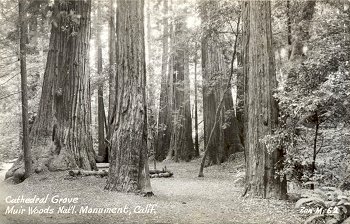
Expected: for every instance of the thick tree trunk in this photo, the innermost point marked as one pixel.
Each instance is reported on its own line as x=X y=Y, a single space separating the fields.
x=181 y=143
x=210 y=100
x=258 y=65
x=170 y=80
x=60 y=135
x=164 y=117
x=224 y=140
x=129 y=141
x=25 y=124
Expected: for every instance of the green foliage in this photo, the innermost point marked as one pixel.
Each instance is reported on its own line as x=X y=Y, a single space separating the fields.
x=314 y=89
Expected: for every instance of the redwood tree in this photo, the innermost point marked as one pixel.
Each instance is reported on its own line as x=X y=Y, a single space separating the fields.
x=102 y=149
x=60 y=136
x=216 y=88
x=260 y=106
x=113 y=78
x=129 y=139
x=164 y=117
x=181 y=143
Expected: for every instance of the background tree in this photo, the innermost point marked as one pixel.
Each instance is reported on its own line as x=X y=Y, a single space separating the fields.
x=23 y=38
x=196 y=138
x=216 y=75
x=102 y=149
x=181 y=144
x=164 y=117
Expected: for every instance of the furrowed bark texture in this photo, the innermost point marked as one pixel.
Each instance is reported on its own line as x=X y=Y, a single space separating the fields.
x=258 y=65
x=25 y=124
x=113 y=78
x=196 y=138
x=181 y=144
x=111 y=46
x=60 y=135
x=102 y=149
x=164 y=116
x=224 y=140
x=129 y=141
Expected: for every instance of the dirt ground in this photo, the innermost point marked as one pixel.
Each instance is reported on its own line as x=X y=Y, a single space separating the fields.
x=185 y=198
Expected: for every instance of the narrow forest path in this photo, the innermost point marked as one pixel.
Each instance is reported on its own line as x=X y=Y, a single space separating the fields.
x=185 y=198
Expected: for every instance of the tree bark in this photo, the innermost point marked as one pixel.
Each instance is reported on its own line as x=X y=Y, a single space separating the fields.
x=196 y=141
x=129 y=139
x=102 y=149
x=181 y=144
x=258 y=65
x=111 y=46
x=60 y=135
x=164 y=117
x=113 y=77
x=170 y=80
x=25 y=123
x=151 y=98
x=224 y=141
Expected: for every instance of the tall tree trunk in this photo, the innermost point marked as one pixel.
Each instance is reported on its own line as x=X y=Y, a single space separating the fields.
x=259 y=69
x=181 y=144
x=164 y=117
x=25 y=124
x=129 y=141
x=170 y=83
x=151 y=112
x=196 y=141
x=102 y=149
x=210 y=100
x=113 y=77
x=60 y=135
x=215 y=77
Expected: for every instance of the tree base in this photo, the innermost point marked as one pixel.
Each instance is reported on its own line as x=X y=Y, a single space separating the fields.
x=44 y=158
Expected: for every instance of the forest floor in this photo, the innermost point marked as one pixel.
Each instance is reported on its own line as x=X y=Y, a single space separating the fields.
x=184 y=198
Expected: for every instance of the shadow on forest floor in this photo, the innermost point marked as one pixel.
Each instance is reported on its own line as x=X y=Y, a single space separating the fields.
x=185 y=198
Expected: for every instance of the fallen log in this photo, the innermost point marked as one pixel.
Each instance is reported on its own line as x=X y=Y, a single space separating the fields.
x=75 y=173
x=102 y=165
x=103 y=173
x=161 y=174
x=164 y=170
